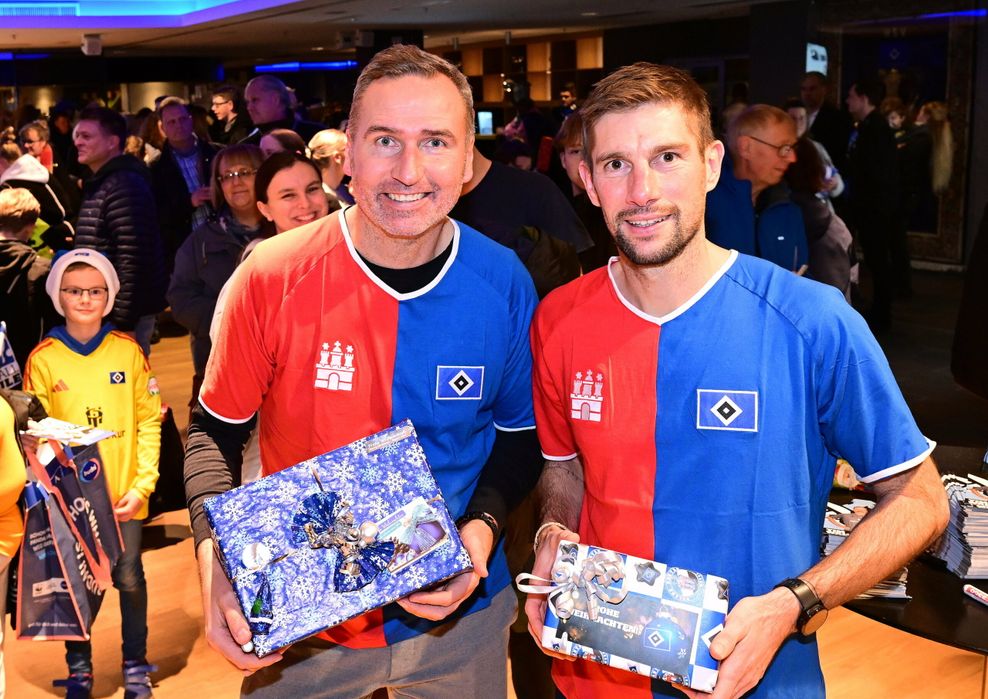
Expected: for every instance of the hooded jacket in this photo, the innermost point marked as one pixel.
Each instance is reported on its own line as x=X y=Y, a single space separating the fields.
x=117 y=217
x=28 y=173
x=24 y=304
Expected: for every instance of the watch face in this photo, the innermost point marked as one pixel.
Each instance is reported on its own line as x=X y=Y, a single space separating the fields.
x=814 y=623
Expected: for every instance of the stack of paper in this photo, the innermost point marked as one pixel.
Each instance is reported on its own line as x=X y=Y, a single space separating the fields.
x=964 y=546
x=67 y=432
x=837 y=526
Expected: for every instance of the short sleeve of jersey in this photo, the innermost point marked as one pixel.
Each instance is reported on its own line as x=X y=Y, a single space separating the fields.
x=863 y=416
x=513 y=408
x=241 y=364
x=555 y=436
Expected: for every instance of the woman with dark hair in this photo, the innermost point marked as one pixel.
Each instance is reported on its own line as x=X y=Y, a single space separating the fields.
x=282 y=141
x=207 y=258
x=831 y=245
x=288 y=191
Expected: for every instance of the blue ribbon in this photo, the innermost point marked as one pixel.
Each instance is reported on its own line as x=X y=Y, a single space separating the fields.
x=261 y=614
x=324 y=520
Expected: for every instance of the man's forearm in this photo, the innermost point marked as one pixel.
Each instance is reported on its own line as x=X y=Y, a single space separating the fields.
x=213 y=458
x=910 y=514
x=510 y=474
x=561 y=492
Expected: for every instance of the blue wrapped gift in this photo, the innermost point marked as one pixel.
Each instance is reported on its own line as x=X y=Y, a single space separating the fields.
x=633 y=614
x=333 y=537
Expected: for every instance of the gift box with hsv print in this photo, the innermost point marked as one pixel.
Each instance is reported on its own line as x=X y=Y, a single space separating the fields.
x=335 y=536
x=633 y=614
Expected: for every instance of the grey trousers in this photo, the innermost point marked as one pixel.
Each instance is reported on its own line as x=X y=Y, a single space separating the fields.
x=465 y=659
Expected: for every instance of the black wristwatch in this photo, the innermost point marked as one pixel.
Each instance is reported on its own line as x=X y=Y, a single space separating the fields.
x=483 y=517
x=812 y=613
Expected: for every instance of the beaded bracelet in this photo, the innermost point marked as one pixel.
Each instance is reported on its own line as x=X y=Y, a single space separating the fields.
x=538 y=534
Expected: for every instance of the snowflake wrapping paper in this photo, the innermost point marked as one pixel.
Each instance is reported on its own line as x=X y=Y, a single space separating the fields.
x=335 y=536
x=634 y=614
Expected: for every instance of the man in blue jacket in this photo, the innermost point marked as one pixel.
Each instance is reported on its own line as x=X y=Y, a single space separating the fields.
x=749 y=210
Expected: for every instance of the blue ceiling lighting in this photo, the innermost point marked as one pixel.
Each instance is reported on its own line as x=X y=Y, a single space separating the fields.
x=123 y=14
x=10 y=56
x=958 y=13
x=296 y=66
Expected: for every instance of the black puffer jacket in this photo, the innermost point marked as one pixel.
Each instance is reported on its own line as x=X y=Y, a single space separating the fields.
x=117 y=217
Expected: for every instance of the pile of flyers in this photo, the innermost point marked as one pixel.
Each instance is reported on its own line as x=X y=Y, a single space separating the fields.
x=964 y=546
x=837 y=526
x=66 y=432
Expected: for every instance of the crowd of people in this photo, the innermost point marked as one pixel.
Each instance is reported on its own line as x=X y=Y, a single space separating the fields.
x=268 y=235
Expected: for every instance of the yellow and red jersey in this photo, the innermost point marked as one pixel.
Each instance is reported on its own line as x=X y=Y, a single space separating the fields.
x=105 y=383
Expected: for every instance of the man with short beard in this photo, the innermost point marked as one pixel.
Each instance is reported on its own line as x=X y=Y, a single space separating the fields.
x=691 y=402
x=434 y=318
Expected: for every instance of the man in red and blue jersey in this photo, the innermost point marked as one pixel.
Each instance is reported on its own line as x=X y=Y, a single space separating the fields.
x=385 y=310
x=691 y=403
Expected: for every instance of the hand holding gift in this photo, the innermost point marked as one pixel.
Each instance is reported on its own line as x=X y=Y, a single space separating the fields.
x=227 y=631
x=752 y=634
x=643 y=616
x=546 y=546
x=439 y=603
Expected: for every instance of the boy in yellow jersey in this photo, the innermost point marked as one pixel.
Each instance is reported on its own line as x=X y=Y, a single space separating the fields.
x=88 y=373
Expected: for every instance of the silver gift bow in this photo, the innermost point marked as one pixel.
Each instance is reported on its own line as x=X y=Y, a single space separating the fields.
x=573 y=588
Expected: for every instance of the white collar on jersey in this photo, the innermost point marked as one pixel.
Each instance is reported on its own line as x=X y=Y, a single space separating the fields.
x=384 y=287
x=685 y=306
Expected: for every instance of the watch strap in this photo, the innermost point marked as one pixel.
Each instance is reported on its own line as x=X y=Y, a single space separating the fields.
x=809 y=602
x=483 y=517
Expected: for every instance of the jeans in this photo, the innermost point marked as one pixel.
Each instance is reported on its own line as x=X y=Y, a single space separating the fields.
x=467 y=658
x=128 y=578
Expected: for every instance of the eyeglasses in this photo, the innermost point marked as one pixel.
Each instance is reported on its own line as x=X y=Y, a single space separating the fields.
x=235 y=175
x=218 y=103
x=96 y=293
x=783 y=151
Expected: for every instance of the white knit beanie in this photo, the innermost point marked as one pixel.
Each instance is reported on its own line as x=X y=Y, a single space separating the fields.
x=92 y=258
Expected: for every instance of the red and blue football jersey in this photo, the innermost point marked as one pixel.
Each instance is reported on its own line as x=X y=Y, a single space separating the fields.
x=330 y=354
x=709 y=436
